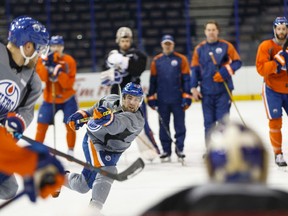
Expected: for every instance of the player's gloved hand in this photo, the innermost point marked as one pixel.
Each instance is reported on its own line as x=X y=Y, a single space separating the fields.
x=103 y=116
x=217 y=77
x=54 y=72
x=53 y=66
x=186 y=101
x=152 y=102
x=118 y=61
x=115 y=79
x=48 y=177
x=15 y=123
x=280 y=59
x=77 y=119
x=223 y=74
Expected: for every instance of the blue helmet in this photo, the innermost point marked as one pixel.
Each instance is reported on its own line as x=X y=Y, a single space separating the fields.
x=280 y=20
x=24 y=29
x=235 y=153
x=57 y=40
x=133 y=89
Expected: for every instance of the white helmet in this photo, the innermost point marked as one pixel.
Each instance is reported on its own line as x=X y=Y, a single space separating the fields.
x=236 y=153
x=123 y=32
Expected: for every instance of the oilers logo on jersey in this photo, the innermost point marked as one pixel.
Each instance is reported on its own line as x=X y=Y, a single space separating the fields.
x=92 y=126
x=174 y=63
x=9 y=96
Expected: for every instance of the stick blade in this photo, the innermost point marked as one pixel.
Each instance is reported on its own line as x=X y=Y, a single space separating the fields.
x=131 y=171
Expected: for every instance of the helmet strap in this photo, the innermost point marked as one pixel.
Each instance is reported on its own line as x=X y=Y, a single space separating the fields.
x=27 y=59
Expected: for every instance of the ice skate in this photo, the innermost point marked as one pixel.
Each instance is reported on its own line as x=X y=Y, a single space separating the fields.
x=279 y=160
x=180 y=156
x=165 y=157
x=70 y=152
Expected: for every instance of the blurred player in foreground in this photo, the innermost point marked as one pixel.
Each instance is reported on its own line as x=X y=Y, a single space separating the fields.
x=237 y=165
x=20 y=88
x=115 y=121
x=58 y=72
x=271 y=63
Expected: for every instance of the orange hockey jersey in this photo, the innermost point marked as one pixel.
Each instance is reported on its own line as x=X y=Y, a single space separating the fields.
x=64 y=86
x=267 y=67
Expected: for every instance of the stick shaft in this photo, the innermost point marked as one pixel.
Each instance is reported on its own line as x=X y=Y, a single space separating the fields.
x=132 y=170
x=227 y=88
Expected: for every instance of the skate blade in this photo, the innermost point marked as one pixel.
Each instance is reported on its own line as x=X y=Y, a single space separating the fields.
x=182 y=161
x=283 y=168
x=165 y=160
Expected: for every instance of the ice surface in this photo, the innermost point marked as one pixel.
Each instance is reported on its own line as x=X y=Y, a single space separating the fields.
x=157 y=180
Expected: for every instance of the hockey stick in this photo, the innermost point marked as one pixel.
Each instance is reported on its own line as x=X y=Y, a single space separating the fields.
x=226 y=87
x=165 y=127
x=13 y=199
x=169 y=134
x=136 y=167
x=54 y=112
x=285 y=45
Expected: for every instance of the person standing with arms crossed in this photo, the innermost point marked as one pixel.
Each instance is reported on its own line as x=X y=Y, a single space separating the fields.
x=169 y=93
x=213 y=79
x=58 y=72
x=271 y=64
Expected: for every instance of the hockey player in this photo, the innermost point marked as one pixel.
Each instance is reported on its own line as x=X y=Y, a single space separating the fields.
x=129 y=63
x=169 y=92
x=216 y=101
x=58 y=72
x=237 y=164
x=115 y=122
x=20 y=88
x=271 y=63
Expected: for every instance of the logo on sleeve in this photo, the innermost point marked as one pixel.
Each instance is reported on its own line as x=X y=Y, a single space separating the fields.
x=9 y=96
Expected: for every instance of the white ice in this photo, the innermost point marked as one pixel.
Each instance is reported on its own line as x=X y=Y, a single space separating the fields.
x=157 y=180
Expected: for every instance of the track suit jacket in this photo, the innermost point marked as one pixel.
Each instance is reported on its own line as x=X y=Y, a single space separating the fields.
x=169 y=79
x=216 y=101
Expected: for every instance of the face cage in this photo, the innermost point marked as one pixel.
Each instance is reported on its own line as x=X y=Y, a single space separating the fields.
x=41 y=49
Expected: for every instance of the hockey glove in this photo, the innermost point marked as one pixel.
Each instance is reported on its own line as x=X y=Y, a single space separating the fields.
x=116 y=78
x=15 y=123
x=186 y=101
x=103 y=116
x=223 y=73
x=152 y=102
x=54 y=72
x=77 y=119
x=217 y=77
x=53 y=67
x=48 y=177
x=117 y=61
x=280 y=60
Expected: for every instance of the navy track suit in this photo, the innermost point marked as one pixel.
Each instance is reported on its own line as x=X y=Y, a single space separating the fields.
x=216 y=101
x=170 y=79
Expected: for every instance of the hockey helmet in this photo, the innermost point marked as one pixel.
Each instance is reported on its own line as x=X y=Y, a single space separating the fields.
x=57 y=40
x=133 y=89
x=123 y=32
x=24 y=29
x=235 y=153
x=280 y=20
